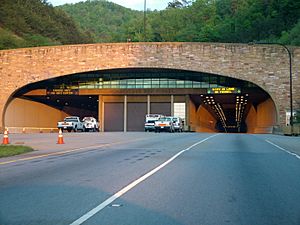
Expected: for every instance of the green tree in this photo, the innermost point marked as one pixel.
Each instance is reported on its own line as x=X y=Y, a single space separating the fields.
x=36 y=23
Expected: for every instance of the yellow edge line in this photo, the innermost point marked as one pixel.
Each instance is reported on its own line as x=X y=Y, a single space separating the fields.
x=64 y=152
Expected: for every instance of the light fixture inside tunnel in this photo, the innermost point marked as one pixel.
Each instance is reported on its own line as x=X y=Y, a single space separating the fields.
x=240 y=105
x=217 y=108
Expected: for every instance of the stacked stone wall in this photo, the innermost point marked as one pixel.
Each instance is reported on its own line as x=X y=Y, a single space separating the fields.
x=265 y=65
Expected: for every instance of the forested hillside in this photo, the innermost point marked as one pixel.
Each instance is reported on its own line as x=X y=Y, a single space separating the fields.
x=239 y=21
x=26 y=23
x=232 y=21
x=105 y=21
x=36 y=22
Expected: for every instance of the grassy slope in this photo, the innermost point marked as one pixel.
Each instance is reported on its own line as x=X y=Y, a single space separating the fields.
x=10 y=150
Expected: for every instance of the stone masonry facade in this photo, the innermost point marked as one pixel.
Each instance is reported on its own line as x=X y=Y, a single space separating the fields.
x=265 y=65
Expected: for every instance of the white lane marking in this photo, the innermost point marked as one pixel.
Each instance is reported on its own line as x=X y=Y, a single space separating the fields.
x=108 y=201
x=287 y=151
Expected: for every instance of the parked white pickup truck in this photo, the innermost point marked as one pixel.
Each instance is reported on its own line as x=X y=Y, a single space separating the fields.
x=71 y=123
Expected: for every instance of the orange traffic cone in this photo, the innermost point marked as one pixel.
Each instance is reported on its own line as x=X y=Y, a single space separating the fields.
x=60 y=137
x=5 y=138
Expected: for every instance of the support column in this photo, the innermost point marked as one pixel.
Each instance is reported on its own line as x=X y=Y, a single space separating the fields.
x=148 y=104
x=101 y=113
x=187 y=113
x=172 y=105
x=125 y=113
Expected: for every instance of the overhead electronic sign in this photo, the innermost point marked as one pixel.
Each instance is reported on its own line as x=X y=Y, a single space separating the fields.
x=224 y=90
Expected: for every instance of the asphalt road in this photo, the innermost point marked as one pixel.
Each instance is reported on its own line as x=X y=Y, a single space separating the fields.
x=157 y=179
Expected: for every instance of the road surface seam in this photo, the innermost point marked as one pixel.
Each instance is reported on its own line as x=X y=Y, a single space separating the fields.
x=124 y=190
x=287 y=151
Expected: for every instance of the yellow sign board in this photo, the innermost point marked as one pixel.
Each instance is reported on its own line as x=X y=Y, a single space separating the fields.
x=224 y=90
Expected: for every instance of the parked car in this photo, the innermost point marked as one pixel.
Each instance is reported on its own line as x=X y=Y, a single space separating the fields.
x=71 y=123
x=90 y=123
x=150 y=121
x=178 y=124
x=164 y=124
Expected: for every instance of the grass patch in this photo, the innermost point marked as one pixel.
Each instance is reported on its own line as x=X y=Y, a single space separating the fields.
x=10 y=150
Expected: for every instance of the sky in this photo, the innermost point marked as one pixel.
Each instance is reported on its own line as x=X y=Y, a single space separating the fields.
x=133 y=4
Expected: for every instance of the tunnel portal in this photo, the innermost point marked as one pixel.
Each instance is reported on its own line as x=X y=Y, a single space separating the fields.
x=119 y=99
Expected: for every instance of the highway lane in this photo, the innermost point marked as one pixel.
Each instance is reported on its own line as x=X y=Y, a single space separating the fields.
x=58 y=189
x=227 y=179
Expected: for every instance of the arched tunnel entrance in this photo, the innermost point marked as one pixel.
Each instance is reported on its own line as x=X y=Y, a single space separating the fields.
x=121 y=98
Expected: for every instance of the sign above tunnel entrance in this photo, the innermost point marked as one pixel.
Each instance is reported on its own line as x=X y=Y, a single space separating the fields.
x=224 y=90
x=62 y=92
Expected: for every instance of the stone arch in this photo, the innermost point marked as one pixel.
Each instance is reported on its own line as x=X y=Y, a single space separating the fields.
x=202 y=120
x=264 y=65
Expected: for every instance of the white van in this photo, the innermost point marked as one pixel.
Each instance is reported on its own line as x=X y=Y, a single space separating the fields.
x=178 y=124
x=150 y=121
x=90 y=123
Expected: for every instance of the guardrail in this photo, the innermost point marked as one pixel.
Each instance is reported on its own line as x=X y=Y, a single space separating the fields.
x=32 y=130
x=287 y=130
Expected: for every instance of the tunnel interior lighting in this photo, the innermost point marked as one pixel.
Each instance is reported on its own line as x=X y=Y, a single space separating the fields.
x=241 y=102
x=217 y=108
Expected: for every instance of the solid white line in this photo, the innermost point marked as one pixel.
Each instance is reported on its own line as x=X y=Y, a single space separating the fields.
x=108 y=201
x=287 y=151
